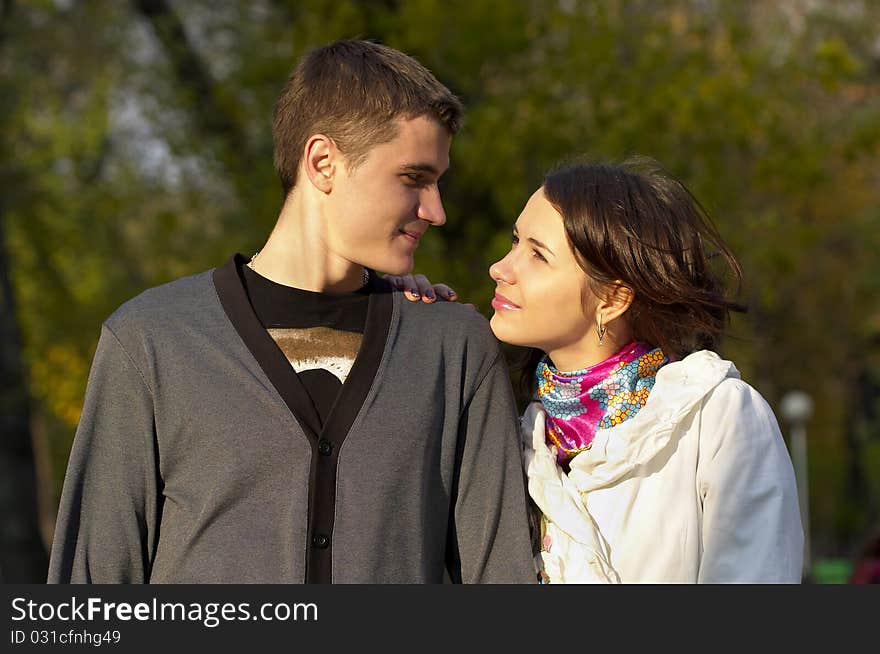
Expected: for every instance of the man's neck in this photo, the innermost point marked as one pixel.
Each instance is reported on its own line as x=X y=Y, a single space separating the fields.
x=297 y=255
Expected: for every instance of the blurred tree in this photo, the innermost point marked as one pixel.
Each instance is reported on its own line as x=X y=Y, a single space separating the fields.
x=143 y=152
x=22 y=554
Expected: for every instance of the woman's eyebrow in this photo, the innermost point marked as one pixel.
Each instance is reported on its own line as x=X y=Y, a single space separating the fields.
x=538 y=243
x=534 y=242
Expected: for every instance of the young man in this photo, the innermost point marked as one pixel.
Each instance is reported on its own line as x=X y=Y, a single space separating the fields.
x=281 y=419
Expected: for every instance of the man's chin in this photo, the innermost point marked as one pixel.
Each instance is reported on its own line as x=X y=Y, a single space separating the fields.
x=397 y=267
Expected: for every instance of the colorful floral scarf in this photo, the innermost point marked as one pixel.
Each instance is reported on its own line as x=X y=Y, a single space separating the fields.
x=581 y=402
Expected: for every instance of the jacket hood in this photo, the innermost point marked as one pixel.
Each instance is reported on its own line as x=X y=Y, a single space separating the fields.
x=680 y=388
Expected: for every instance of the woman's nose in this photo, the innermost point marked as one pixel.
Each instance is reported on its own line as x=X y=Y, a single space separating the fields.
x=500 y=271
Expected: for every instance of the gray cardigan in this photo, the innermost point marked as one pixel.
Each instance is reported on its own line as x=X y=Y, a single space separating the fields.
x=195 y=460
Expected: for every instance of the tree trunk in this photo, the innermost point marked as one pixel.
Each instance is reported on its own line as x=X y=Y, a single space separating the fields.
x=22 y=554
x=210 y=118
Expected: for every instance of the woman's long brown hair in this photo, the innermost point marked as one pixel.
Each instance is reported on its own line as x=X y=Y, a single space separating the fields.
x=633 y=223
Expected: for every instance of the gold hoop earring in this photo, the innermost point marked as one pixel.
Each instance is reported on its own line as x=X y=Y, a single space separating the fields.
x=600 y=330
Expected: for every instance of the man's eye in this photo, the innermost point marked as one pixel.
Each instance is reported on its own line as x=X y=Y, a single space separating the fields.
x=414 y=179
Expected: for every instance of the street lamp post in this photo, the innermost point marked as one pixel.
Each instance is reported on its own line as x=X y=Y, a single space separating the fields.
x=796 y=408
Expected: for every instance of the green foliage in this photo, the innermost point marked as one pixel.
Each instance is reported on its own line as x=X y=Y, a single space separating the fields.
x=117 y=175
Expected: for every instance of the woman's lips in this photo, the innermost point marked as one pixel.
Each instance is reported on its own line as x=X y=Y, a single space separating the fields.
x=499 y=302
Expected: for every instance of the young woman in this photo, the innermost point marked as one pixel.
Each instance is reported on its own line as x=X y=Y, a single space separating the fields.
x=649 y=459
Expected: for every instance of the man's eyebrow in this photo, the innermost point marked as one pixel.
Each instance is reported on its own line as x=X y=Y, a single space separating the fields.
x=535 y=242
x=420 y=168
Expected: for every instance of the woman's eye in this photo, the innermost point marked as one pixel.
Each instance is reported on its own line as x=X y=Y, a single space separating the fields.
x=514 y=239
x=538 y=255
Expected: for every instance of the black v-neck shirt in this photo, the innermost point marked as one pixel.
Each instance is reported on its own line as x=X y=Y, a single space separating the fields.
x=320 y=334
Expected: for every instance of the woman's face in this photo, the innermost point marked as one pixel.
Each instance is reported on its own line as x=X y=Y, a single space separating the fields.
x=542 y=296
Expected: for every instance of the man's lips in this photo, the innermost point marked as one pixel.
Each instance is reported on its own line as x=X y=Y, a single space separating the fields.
x=502 y=303
x=413 y=236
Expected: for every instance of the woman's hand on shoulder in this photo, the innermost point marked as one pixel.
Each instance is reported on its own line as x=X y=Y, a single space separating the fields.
x=419 y=287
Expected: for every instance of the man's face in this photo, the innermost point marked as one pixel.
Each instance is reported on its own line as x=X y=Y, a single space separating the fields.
x=379 y=211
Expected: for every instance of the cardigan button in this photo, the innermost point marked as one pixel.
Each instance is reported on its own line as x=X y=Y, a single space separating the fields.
x=325 y=447
x=321 y=541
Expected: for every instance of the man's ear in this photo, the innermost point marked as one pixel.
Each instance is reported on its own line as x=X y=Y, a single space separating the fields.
x=617 y=299
x=319 y=161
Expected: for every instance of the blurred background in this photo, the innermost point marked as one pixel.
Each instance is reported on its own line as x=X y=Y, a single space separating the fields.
x=136 y=148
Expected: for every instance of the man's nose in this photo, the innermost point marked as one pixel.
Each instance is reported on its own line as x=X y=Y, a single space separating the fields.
x=431 y=206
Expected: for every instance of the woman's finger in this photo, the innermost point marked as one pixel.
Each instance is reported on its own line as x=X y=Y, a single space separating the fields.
x=410 y=288
x=395 y=280
x=446 y=292
x=426 y=289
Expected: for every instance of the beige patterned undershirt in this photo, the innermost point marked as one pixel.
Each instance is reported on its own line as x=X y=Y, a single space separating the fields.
x=314 y=348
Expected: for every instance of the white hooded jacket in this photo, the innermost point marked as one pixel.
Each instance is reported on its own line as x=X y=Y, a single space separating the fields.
x=698 y=487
